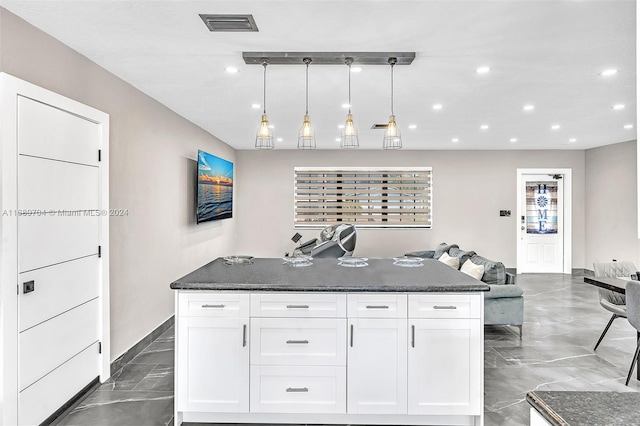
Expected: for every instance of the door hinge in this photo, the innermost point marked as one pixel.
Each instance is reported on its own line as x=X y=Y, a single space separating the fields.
x=99 y=251
x=99 y=155
x=99 y=347
x=18 y=288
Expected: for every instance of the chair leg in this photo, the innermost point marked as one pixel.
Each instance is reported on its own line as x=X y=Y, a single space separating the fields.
x=633 y=363
x=614 y=316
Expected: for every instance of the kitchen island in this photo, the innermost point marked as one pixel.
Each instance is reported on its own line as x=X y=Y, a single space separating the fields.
x=266 y=342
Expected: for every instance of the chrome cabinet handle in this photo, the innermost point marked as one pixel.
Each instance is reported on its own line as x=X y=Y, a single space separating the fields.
x=413 y=336
x=297 y=306
x=351 y=338
x=297 y=389
x=213 y=306
x=244 y=335
x=377 y=307
x=445 y=307
x=301 y=342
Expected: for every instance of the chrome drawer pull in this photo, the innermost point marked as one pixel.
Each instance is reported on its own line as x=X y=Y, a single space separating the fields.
x=445 y=307
x=244 y=335
x=302 y=342
x=297 y=389
x=413 y=336
x=297 y=306
x=377 y=307
x=213 y=306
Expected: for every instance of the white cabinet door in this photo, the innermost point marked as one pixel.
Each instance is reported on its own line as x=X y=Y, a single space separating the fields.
x=377 y=360
x=213 y=361
x=445 y=366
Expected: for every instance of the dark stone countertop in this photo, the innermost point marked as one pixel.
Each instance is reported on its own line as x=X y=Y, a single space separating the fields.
x=325 y=275
x=569 y=408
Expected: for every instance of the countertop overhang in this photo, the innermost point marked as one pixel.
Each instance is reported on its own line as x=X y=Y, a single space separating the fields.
x=325 y=275
x=575 y=408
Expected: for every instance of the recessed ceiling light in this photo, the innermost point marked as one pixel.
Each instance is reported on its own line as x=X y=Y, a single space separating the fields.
x=528 y=107
x=454 y=140
x=618 y=107
x=513 y=140
x=345 y=106
x=255 y=106
x=484 y=127
x=341 y=126
x=338 y=139
x=573 y=140
x=231 y=70
x=609 y=72
x=555 y=127
x=483 y=70
x=356 y=69
x=628 y=126
x=271 y=126
x=412 y=126
x=278 y=139
x=437 y=106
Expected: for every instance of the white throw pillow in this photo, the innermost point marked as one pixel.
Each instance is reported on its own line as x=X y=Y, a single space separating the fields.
x=454 y=262
x=473 y=270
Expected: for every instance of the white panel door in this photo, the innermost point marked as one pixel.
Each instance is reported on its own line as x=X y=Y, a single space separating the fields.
x=58 y=233
x=377 y=360
x=213 y=360
x=541 y=224
x=59 y=204
x=50 y=132
x=444 y=368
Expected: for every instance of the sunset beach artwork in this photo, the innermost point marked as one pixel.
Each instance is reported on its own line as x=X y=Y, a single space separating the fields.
x=215 y=188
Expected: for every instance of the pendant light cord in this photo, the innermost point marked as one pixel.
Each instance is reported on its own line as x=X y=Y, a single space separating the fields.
x=349 y=64
x=392 y=64
x=306 y=93
x=264 y=88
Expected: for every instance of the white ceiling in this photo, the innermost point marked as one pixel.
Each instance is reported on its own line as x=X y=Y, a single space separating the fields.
x=545 y=53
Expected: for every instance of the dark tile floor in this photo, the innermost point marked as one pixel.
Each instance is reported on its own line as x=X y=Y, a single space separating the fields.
x=562 y=322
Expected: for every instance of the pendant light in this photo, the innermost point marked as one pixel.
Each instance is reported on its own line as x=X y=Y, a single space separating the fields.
x=349 y=136
x=264 y=137
x=392 y=138
x=306 y=135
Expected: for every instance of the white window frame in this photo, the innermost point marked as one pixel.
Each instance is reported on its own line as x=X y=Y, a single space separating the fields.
x=425 y=200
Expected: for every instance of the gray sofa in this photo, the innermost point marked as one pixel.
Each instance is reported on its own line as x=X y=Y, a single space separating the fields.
x=504 y=303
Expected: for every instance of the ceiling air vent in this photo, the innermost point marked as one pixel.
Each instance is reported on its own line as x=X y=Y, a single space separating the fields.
x=380 y=126
x=229 y=22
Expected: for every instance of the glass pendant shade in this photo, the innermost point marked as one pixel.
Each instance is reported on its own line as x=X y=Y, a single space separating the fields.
x=306 y=135
x=264 y=137
x=349 y=136
x=392 y=138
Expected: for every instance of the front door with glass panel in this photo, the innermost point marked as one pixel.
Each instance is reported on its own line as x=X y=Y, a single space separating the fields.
x=541 y=230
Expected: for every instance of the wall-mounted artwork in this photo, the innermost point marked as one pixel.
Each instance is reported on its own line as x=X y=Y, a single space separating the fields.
x=215 y=188
x=542 y=207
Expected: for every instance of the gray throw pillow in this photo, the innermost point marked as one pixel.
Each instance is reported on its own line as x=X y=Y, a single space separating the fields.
x=462 y=255
x=443 y=248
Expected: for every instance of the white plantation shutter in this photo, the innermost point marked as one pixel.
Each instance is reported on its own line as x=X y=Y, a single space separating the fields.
x=365 y=197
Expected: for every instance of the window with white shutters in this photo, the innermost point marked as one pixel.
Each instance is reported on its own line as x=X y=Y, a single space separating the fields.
x=387 y=197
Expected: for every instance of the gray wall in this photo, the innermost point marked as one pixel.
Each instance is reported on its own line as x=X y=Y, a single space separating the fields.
x=611 y=207
x=152 y=174
x=469 y=189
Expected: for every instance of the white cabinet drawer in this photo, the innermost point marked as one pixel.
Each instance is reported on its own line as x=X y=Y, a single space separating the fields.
x=445 y=305
x=377 y=305
x=298 y=341
x=298 y=389
x=301 y=305
x=215 y=305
